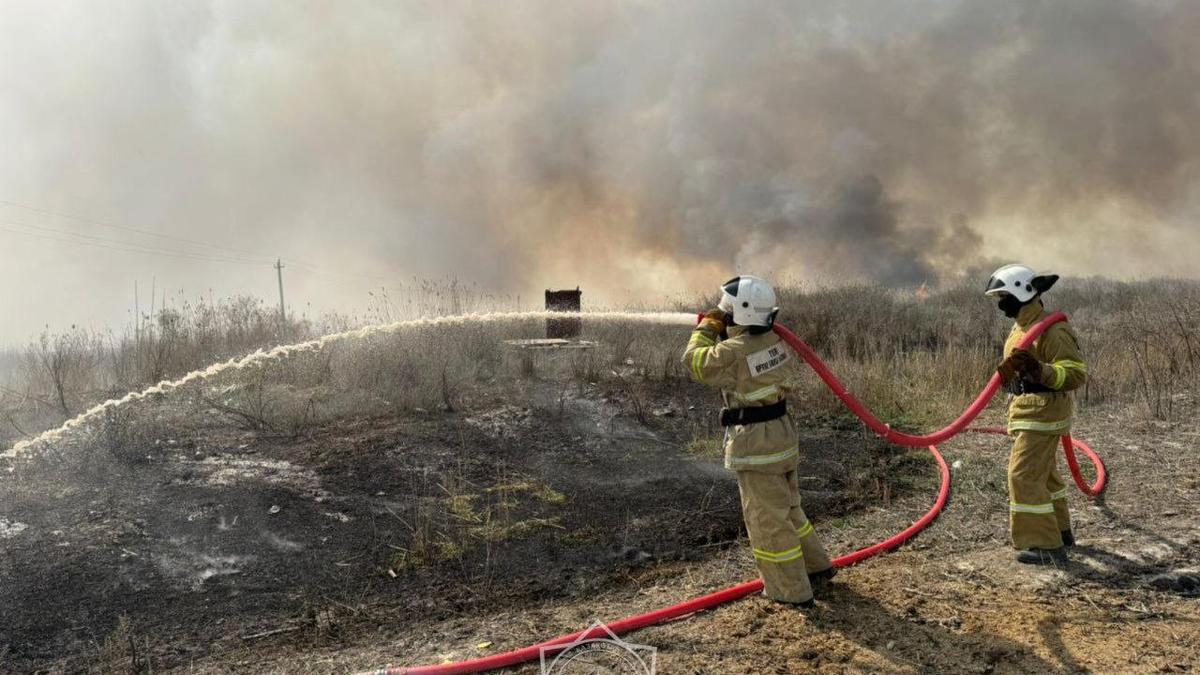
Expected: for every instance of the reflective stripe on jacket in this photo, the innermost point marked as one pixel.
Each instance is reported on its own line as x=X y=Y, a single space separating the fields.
x=750 y=370
x=1063 y=370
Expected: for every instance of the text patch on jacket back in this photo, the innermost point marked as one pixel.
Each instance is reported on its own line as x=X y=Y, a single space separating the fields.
x=766 y=360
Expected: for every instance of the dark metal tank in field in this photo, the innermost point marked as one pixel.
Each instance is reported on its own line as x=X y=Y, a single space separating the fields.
x=564 y=301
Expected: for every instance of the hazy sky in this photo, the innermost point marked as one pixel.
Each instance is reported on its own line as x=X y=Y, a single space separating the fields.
x=635 y=148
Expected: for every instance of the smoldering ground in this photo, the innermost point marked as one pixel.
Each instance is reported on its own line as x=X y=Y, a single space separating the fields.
x=519 y=144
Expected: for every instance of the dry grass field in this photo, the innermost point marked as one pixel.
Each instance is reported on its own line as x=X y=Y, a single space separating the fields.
x=435 y=494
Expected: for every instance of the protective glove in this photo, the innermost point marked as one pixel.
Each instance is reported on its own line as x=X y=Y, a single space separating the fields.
x=1019 y=363
x=1008 y=371
x=1027 y=364
x=714 y=320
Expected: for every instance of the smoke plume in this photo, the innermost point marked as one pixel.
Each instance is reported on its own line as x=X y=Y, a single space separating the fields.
x=631 y=147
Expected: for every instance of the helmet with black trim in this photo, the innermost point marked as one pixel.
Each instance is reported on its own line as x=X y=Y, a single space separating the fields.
x=750 y=300
x=1019 y=281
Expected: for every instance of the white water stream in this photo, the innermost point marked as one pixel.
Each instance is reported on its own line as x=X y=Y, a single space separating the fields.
x=316 y=344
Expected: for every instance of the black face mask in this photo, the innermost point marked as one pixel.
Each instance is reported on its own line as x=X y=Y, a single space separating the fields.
x=1010 y=306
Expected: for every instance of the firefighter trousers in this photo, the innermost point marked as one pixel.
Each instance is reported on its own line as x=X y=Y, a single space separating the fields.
x=785 y=546
x=1037 y=495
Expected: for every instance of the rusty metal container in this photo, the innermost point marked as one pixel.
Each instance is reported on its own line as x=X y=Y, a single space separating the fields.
x=564 y=301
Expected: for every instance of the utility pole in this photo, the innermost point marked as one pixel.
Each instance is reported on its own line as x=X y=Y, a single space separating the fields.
x=282 y=307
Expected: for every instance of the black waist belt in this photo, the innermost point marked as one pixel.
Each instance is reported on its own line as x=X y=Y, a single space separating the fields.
x=1020 y=386
x=763 y=413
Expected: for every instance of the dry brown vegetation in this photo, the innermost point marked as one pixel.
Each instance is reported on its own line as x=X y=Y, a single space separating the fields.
x=61 y=374
x=912 y=360
x=920 y=360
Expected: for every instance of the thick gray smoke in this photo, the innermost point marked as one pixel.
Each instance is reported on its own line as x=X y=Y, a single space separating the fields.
x=622 y=145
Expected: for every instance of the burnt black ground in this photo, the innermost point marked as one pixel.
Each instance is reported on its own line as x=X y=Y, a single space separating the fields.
x=221 y=534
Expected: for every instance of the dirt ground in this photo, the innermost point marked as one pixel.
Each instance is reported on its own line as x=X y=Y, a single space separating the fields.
x=434 y=536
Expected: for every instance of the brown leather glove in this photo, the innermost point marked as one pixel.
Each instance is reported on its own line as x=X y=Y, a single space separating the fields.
x=715 y=320
x=1026 y=364
x=1008 y=372
x=1020 y=362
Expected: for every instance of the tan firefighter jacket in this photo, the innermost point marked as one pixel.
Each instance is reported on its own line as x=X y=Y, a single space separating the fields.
x=1063 y=370
x=750 y=371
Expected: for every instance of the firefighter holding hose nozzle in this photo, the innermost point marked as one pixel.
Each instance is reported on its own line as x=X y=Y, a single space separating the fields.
x=734 y=349
x=1040 y=380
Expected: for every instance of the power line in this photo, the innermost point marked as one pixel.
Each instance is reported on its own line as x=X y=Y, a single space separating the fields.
x=337 y=275
x=147 y=233
x=132 y=245
x=115 y=245
x=265 y=258
x=65 y=237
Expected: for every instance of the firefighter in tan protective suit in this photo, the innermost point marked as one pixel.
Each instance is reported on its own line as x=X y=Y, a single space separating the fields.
x=733 y=348
x=1040 y=379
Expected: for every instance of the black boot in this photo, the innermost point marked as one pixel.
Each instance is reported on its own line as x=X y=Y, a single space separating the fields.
x=824 y=576
x=1068 y=538
x=1042 y=556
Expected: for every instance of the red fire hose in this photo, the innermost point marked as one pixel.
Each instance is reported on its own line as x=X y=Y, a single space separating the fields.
x=1070 y=445
x=732 y=593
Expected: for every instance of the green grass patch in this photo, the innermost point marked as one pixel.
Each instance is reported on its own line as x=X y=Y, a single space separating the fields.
x=706 y=448
x=537 y=490
x=495 y=531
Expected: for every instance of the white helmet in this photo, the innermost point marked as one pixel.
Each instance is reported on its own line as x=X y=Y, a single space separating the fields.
x=1019 y=281
x=750 y=300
